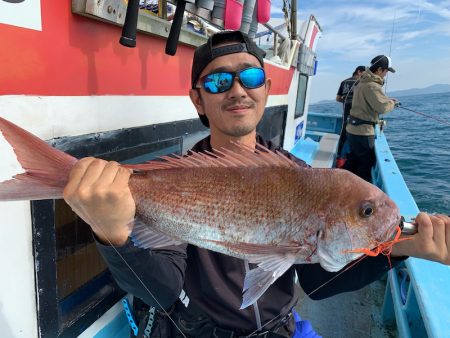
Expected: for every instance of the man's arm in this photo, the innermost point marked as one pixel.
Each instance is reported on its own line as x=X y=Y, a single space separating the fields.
x=98 y=192
x=377 y=100
x=147 y=274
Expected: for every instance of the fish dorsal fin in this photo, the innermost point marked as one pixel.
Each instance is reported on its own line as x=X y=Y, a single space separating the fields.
x=247 y=157
x=143 y=236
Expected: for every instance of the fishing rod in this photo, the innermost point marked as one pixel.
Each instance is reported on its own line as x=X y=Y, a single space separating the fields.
x=399 y=105
x=390 y=47
x=166 y=313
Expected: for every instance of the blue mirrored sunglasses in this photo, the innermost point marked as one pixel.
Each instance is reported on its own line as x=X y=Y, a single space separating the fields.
x=250 y=78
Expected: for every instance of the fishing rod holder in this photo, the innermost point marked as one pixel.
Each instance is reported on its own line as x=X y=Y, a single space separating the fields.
x=408 y=228
x=129 y=30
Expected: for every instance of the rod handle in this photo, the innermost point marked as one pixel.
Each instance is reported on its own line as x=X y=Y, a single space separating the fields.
x=128 y=38
x=174 y=35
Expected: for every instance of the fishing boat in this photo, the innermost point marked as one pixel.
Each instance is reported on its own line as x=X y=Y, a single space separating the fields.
x=65 y=78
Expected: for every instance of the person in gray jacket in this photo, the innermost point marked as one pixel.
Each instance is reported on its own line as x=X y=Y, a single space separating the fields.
x=369 y=102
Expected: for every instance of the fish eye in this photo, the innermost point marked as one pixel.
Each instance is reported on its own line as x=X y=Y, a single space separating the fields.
x=366 y=210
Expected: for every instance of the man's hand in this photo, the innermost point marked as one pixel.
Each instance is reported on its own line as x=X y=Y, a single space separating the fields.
x=396 y=102
x=98 y=192
x=431 y=242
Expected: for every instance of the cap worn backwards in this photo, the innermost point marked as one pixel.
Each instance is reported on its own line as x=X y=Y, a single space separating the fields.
x=382 y=61
x=204 y=54
x=359 y=69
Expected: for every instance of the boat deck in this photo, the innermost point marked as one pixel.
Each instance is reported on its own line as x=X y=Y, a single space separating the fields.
x=348 y=315
x=353 y=314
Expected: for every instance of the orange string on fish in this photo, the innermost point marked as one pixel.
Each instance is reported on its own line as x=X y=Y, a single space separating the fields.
x=384 y=248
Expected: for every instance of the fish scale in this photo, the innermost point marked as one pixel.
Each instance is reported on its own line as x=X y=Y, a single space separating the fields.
x=238 y=204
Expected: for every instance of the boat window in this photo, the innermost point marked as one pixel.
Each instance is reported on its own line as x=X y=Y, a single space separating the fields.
x=301 y=95
x=75 y=286
x=273 y=123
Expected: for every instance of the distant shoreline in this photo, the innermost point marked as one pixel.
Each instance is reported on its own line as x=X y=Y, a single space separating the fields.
x=433 y=89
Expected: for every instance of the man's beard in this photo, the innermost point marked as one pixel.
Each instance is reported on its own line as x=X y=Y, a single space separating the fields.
x=240 y=131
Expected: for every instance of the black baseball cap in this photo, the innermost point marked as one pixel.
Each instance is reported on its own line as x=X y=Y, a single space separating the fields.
x=359 y=69
x=382 y=61
x=204 y=54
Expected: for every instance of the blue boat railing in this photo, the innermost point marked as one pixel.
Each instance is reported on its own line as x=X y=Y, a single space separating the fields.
x=323 y=123
x=417 y=299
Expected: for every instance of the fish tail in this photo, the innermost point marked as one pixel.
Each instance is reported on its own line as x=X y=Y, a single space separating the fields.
x=46 y=169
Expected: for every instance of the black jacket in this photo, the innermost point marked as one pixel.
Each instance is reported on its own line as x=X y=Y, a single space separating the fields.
x=213 y=281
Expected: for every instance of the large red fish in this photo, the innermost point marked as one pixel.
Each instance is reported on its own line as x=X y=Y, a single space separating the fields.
x=259 y=206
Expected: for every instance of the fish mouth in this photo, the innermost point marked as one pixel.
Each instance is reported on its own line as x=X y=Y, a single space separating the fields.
x=390 y=230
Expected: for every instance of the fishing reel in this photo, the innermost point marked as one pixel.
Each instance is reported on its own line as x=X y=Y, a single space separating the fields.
x=408 y=228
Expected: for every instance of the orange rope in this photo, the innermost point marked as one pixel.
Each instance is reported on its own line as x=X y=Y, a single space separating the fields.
x=384 y=248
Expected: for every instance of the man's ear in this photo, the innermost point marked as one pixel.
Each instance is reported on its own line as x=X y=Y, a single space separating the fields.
x=196 y=99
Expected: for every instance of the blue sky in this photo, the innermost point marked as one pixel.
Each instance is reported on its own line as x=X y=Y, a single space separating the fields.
x=355 y=31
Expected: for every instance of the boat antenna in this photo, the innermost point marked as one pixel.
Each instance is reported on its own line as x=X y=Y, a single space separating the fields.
x=390 y=46
x=293 y=19
x=382 y=122
x=392 y=32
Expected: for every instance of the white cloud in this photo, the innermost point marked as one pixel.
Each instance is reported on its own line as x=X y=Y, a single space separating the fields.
x=354 y=32
x=419 y=73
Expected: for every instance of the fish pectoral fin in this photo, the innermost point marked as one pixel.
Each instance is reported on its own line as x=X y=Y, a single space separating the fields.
x=143 y=236
x=258 y=280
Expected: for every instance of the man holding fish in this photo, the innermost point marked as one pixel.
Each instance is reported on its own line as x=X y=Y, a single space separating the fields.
x=212 y=281
x=252 y=217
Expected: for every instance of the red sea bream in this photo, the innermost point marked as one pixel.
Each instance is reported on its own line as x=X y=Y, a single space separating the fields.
x=259 y=206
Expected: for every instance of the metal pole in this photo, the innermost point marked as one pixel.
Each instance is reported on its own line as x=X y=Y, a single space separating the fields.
x=275 y=30
x=294 y=20
x=275 y=44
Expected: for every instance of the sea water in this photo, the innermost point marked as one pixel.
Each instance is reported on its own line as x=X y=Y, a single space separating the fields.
x=420 y=145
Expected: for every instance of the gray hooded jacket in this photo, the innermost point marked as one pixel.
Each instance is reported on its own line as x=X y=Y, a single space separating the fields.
x=368 y=102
